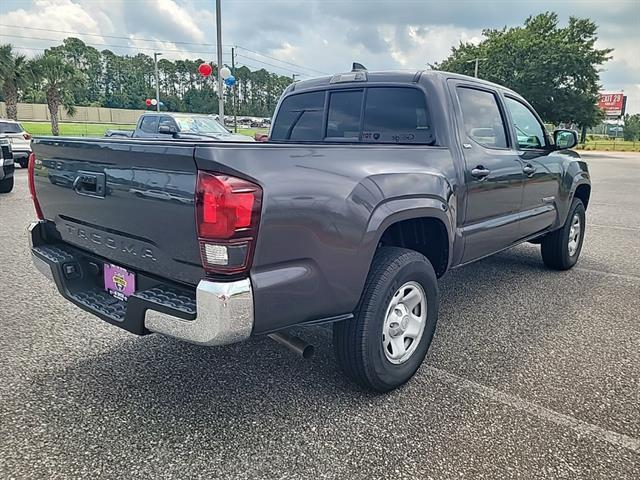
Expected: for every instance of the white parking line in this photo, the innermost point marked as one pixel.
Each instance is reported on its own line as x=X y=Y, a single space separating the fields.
x=614 y=227
x=579 y=426
x=635 y=278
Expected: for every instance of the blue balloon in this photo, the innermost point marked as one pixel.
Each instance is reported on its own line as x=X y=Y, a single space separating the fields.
x=230 y=81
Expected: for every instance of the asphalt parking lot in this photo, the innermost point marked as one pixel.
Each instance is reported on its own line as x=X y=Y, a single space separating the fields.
x=532 y=374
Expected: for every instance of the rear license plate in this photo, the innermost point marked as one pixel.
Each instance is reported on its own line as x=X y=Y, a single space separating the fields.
x=118 y=281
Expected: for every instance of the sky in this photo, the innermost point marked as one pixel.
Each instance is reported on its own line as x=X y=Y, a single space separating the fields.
x=315 y=37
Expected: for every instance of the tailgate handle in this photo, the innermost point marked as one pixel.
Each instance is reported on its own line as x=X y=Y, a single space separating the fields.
x=91 y=184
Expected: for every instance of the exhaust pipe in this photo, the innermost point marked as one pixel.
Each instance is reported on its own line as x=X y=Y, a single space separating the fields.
x=295 y=344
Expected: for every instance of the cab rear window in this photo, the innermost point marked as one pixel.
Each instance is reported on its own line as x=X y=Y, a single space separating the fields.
x=396 y=115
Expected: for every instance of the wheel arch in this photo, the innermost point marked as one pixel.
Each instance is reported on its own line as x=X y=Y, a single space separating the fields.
x=424 y=225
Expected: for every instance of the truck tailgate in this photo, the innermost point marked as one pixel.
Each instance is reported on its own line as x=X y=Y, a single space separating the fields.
x=129 y=201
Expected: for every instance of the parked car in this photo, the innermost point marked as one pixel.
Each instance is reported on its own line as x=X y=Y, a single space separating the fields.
x=179 y=125
x=20 y=140
x=372 y=185
x=6 y=166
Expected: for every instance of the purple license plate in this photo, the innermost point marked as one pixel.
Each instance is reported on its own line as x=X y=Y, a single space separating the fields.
x=119 y=282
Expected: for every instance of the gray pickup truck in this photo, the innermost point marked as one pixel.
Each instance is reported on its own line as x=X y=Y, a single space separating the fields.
x=179 y=125
x=371 y=186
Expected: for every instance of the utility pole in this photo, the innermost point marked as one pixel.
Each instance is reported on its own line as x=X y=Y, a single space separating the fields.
x=219 y=46
x=476 y=60
x=235 y=90
x=155 y=61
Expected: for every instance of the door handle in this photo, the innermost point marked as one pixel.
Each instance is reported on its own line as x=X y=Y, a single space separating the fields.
x=480 y=172
x=529 y=170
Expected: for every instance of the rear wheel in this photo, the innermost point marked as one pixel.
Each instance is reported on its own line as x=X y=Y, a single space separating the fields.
x=23 y=162
x=383 y=346
x=561 y=249
x=6 y=185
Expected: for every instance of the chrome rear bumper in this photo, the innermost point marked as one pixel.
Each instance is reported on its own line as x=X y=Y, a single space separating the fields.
x=224 y=315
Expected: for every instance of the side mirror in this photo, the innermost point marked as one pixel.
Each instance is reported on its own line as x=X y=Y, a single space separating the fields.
x=565 y=138
x=168 y=129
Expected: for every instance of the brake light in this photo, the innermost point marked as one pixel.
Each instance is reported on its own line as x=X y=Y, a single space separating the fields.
x=27 y=136
x=32 y=186
x=227 y=214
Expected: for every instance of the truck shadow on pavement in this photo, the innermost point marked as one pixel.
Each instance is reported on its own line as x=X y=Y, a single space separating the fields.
x=158 y=389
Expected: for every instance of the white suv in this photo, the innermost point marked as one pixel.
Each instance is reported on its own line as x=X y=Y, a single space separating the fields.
x=19 y=139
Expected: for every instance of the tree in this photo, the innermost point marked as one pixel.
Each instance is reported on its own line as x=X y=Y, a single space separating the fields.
x=59 y=80
x=555 y=69
x=632 y=127
x=15 y=76
x=104 y=78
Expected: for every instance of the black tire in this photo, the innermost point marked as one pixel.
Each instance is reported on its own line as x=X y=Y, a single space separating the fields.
x=6 y=185
x=358 y=342
x=555 y=245
x=24 y=163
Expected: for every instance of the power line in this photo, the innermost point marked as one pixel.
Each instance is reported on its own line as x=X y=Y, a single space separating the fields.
x=130 y=47
x=283 y=61
x=112 y=36
x=266 y=63
x=249 y=65
x=174 y=42
x=255 y=67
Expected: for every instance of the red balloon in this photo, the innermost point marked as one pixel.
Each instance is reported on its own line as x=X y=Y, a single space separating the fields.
x=148 y=102
x=205 y=69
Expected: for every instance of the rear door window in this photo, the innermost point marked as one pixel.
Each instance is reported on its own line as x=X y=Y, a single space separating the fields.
x=482 y=118
x=343 y=121
x=149 y=124
x=300 y=118
x=396 y=115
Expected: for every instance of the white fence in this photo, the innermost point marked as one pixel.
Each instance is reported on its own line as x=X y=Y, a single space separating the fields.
x=37 y=112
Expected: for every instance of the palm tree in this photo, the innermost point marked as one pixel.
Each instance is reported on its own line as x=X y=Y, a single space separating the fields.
x=15 y=76
x=58 y=81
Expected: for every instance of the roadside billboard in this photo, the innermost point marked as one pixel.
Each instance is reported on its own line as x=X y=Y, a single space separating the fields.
x=612 y=104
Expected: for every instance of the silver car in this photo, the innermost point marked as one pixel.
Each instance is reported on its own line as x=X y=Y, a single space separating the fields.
x=20 y=140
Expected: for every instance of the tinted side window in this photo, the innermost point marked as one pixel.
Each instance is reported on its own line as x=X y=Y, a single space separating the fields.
x=482 y=119
x=10 y=127
x=396 y=115
x=344 y=114
x=168 y=121
x=149 y=124
x=300 y=118
x=528 y=130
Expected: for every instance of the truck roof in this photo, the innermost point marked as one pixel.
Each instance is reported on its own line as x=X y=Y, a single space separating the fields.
x=393 y=76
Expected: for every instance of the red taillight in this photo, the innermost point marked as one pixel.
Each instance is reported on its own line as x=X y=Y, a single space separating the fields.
x=27 y=136
x=32 y=186
x=227 y=213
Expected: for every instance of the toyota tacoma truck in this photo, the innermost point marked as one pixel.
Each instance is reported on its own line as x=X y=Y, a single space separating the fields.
x=372 y=186
x=179 y=125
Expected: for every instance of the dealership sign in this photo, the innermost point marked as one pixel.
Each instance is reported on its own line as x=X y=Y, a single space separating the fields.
x=612 y=104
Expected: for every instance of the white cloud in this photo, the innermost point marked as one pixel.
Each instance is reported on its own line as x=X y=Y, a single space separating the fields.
x=319 y=35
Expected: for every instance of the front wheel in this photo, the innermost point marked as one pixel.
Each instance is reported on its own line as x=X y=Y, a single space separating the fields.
x=561 y=248
x=6 y=185
x=385 y=343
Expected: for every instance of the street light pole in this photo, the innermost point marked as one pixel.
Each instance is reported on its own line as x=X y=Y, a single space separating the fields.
x=476 y=61
x=219 y=46
x=155 y=62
